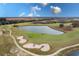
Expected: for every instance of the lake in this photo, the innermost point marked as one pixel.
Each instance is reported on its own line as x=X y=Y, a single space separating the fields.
x=40 y=29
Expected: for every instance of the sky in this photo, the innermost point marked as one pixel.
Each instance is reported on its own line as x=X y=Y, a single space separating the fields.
x=38 y=10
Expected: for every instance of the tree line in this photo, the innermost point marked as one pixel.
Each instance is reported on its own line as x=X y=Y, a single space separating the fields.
x=3 y=21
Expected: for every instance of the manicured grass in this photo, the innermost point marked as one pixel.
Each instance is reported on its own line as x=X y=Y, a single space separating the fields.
x=55 y=41
x=30 y=23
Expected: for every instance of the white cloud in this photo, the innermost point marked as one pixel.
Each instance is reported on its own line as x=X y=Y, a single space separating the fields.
x=36 y=8
x=34 y=11
x=38 y=15
x=30 y=14
x=22 y=14
x=56 y=10
x=51 y=6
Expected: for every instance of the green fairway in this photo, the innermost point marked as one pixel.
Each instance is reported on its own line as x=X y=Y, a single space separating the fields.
x=30 y=23
x=55 y=41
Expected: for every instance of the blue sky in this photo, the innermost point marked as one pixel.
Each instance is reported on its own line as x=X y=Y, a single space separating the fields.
x=38 y=10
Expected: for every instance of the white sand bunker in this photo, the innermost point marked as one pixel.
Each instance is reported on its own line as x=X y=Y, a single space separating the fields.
x=21 y=39
x=42 y=47
x=37 y=46
x=45 y=47
x=29 y=45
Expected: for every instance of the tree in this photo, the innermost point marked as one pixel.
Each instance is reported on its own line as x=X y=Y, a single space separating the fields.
x=61 y=25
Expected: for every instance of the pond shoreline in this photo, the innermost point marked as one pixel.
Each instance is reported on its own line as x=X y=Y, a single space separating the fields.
x=45 y=25
x=56 y=28
x=41 y=29
x=67 y=51
x=53 y=27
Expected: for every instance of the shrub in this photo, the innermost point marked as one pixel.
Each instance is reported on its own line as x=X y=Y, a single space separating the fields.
x=61 y=25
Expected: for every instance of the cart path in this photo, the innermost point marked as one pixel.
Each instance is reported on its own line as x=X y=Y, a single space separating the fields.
x=19 y=45
x=58 y=51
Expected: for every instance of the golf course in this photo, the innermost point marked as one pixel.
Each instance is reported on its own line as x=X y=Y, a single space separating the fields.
x=43 y=43
x=38 y=39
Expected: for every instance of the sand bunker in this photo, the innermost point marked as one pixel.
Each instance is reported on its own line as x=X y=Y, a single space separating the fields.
x=29 y=45
x=42 y=47
x=21 y=39
x=45 y=47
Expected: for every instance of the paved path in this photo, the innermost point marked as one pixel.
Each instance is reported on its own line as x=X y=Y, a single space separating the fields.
x=53 y=54
x=58 y=51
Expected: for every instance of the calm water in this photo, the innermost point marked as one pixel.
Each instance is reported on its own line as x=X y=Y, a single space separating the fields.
x=74 y=53
x=40 y=29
